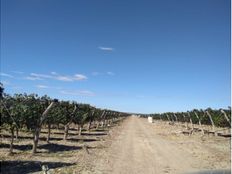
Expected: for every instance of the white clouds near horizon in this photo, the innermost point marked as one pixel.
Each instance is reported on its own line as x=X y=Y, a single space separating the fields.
x=42 y=86
x=106 y=48
x=110 y=73
x=78 y=92
x=6 y=75
x=56 y=76
x=103 y=73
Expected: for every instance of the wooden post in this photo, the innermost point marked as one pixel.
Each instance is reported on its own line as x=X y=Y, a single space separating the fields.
x=212 y=123
x=17 y=133
x=185 y=122
x=175 y=117
x=44 y=115
x=80 y=130
x=90 y=121
x=102 y=124
x=89 y=125
x=199 y=122
x=11 y=140
x=103 y=117
x=66 y=129
x=168 y=117
x=191 y=122
x=160 y=117
x=225 y=115
x=98 y=123
x=35 y=140
x=49 y=132
x=38 y=128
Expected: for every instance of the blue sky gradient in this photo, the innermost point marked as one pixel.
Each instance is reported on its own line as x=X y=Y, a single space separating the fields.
x=136 y=56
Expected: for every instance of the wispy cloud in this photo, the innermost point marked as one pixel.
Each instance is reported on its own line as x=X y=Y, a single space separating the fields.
x=40 y=75
x=56 y=76
x=33 y=78
x=106 y=48
x=103 y=73
x=78 y=92
x=64 y=78
x=54 y=73
x=6 y=75
x=110 y=73
x=79 y=77
x=42 y=86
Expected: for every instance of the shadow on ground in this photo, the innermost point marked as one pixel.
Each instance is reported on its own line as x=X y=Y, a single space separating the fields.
x=59 y=139
x=94 y=134
x=100 y=130
x=58 y=147
x=82 y=139
x=49 y=147
x=24 y=167
x=23 y=147
x=58 y=133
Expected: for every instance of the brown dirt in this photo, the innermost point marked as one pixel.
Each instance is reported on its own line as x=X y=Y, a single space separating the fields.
x=133 y=146
x=142 y=147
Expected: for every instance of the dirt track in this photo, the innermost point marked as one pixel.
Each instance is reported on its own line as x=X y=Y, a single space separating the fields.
x=141 y=147
x=132 y=146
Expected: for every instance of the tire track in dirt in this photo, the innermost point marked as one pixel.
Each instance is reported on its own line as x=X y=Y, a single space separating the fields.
x=139 y=149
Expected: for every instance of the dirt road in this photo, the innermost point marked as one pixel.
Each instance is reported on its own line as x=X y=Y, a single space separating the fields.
x=139 y=148
x=132 y=146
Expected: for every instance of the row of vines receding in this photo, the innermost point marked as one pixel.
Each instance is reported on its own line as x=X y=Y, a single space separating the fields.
x=31 y=113
x=219 y=117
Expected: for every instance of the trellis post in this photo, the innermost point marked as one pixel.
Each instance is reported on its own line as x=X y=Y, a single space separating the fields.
x=191 y=122
x=226 y=117
x=186 y=123
x=168 y=117
x=160 y=117
x=199 y=122
x=212 y=123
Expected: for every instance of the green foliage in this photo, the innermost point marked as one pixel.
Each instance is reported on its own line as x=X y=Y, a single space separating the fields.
x=31 y=111
x=83 y=114
x=12 y=111
x=217 y=116
x=23 y=110
x=35 y=106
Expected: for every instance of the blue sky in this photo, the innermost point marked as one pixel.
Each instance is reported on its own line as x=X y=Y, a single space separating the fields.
x=135 y=56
